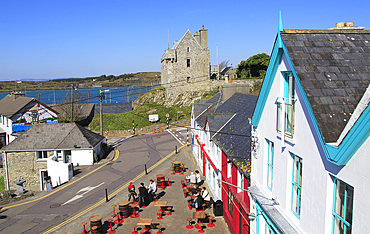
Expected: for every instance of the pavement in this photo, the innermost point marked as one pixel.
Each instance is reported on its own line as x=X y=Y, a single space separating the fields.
x=175 y=223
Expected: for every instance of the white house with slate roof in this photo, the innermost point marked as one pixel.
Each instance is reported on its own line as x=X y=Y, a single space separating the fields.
x=49 y=150
x=311 y=126
x=18 y=113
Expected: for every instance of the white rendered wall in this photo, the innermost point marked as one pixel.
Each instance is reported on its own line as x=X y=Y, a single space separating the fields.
x=314 y=176
x=82 y=157
x=58 y=171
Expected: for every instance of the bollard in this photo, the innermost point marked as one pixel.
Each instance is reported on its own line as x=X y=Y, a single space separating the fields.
x=146 y=173
x=106 y=195
x=176 y=148
x=153 y=130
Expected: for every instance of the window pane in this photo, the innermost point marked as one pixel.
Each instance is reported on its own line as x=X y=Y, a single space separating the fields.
x=296 y=169
x=289 y=119
x=338 y=226
x=300 y=172
x=269 y=179
x=349 y=205
x=295 y=198
x=271 y=152
x=279 y=126
x=339 y=199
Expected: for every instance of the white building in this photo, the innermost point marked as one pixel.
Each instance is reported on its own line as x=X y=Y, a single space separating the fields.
x=18 y=113
x=49 y=151
x=312 y=125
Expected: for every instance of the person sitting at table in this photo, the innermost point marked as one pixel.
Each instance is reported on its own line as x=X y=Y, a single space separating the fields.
x=143 y=192
x=198 y=201
x=194 y=190
x=197 y=177
x=191 y=178
x=131 y=190
x=152 y=188
x=205 y=195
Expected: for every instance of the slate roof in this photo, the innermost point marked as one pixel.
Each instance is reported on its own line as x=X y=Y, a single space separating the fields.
x=53 y=137
x=9 y=106
x=234 y=138
x=334 y=69
x=226 y=69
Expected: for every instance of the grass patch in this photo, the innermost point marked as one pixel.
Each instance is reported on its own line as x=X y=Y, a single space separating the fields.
x=2 y=186
x=141 y=116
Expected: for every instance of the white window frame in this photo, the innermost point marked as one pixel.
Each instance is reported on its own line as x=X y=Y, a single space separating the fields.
x=229 y=169
x=240 y=183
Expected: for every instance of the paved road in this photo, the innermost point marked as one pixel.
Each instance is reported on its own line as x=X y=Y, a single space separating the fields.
x=134 y=153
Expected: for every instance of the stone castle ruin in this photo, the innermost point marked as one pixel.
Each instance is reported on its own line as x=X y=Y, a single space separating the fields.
x=186 y=67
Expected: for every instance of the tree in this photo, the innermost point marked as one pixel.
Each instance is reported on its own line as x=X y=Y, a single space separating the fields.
x=75 y=101
x=254 y=67
x=224 y=64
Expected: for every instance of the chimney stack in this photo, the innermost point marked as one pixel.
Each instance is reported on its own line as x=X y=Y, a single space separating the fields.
x=203 y=38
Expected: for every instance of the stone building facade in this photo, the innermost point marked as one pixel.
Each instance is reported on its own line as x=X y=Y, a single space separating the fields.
x=25 y=165
x=186 y=67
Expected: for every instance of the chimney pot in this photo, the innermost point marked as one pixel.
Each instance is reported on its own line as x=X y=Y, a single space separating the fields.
x=203 y=27
x=340 y=25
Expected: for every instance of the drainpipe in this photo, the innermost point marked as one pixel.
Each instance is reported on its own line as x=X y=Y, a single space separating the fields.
x=6 y=171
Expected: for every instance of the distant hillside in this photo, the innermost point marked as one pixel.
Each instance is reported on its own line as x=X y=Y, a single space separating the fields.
x=137 y=79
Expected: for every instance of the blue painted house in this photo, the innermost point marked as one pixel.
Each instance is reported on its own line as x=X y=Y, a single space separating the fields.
x=311 y=134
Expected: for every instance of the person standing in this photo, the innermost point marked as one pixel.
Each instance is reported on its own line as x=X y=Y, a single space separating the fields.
x=131 y=191
x=143 y=192
x=152 y=188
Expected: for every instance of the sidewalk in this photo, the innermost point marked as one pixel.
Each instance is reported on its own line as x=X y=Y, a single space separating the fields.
x=173 y=195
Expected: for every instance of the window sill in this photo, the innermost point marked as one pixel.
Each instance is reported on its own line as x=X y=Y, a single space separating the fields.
x=288 y=139
x=41 y=160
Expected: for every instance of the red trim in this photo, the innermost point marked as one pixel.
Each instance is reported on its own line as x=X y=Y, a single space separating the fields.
x=213 y=165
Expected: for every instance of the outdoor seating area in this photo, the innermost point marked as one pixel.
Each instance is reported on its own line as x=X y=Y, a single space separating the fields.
x=162 y=213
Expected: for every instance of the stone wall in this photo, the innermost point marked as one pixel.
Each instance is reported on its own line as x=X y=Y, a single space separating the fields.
x=148 y=129
x=176 y=76
x=25 y=165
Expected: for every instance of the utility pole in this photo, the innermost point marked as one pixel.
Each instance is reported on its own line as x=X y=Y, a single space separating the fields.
x=71 y=103
x=101 y=96
x=218 y=65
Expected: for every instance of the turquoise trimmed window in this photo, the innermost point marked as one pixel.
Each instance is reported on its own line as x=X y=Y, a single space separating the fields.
x=270 y=163
x=342 y=207
x=285 y=109
x=296 y=185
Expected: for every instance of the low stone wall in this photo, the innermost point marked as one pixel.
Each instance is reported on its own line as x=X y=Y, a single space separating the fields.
x=148 y=129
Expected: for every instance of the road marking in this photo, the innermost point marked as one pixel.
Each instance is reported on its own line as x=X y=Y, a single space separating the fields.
x=85 y=190
x=175 y=137
x=65 y=186
x=111 y=195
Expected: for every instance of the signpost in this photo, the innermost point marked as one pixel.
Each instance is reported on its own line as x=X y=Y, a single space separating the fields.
x=167 y=115
x=106 y=135
x=179 y=112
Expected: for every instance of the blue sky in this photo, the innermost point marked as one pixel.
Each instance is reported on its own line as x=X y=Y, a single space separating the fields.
x=58 y=39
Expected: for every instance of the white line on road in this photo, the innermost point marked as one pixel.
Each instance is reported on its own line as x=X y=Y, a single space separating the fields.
x=85 y=190
x=175 y=137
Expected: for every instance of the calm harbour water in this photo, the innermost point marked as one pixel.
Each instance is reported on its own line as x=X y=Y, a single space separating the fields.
x=115 y=94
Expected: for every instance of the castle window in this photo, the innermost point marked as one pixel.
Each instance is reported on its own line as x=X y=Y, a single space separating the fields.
x=188 y=62
x=188 y=79
x=188 y=49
